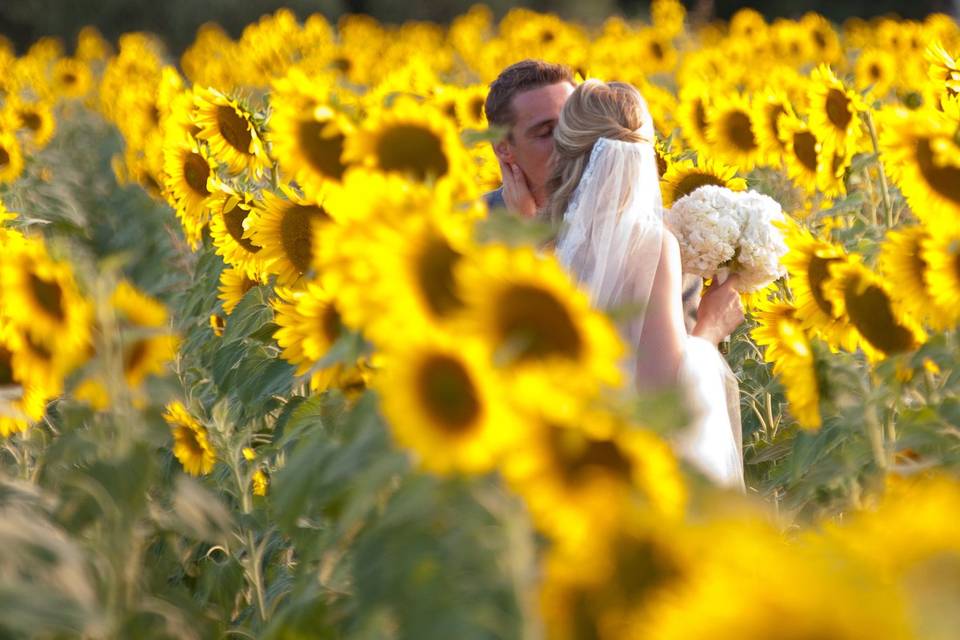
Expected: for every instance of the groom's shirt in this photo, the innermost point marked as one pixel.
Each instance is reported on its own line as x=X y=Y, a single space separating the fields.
x=692 y=285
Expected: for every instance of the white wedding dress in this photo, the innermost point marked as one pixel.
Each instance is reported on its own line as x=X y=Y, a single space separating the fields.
x=611 y=243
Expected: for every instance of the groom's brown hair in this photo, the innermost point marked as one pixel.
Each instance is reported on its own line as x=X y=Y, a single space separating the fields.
x=518 y=77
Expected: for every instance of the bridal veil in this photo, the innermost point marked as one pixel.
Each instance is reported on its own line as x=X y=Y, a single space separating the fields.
x=611 y=241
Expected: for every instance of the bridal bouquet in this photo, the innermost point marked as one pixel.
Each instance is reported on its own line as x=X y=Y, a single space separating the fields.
x=723 y=232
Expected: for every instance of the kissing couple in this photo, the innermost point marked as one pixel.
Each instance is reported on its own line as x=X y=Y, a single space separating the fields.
x=583 y=156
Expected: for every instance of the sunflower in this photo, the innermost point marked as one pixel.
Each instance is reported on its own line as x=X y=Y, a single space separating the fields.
x=188 y=170
x=307 y=133
x=943 y=70
x=920 y=152
x=808 y=263
x=11 y=158
x=768 y=106
x=40 y=297
x=685 y=176
x=413 y=140
x=229 y=211
x=138 y=308
x=692 y=114
x=230 y=131
x=730 y=131
x=824 y=42
x=36 y=118
x=24 y=401
x=284 y=229
x=309 y=324
x=788 y=347
x=390 y=257
x=260 y=482
x=577 y=471
x=877 y=69
x=904 y=266
x=443 y=400
x=93 y=393
x=606 y=586
x=802 y=151
x=834 y=111
x=234 y=284
x=191 y=445
x=941 y=252
x=536 y=320
x=470 y=105
x=72 y=78
x=863 y=298
x=145 y=355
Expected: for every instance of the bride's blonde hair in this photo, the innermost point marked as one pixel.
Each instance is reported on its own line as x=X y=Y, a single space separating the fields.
x=595 y=109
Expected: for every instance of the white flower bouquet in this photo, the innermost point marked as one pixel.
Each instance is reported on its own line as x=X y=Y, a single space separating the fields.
x=723 y=232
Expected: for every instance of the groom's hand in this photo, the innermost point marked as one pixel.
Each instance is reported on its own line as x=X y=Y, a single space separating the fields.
x=516 y=191
x=720 y=311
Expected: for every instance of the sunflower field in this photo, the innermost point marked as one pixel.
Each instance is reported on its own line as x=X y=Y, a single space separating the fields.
x=270 y=369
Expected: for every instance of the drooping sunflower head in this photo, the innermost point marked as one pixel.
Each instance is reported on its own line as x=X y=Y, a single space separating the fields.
x=768 y=107
x=834 y=110
x=188 y=170
x=920 y=151
x=802 y=151
x=234 y=285
x=902 y=263
x=309 y=322
x=443 y=400
x=191 y=446
x=731 y=131
x=283 y=227
x=308 y=134
x=470 y=103
x=941 y=252
x=808 y=263
x=229 y=211
x=229 y=129
x=685 y=176
x=692 y=114
x=410 y=139
x=11 y=157
x=863 y=298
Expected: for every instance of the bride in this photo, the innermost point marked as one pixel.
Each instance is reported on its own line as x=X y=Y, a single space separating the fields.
x=604 y=187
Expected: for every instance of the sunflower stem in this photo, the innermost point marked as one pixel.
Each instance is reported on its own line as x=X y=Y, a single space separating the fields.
x=884 y=191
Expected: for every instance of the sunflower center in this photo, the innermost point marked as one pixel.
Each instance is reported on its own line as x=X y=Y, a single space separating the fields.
x=820 y=40
x=4 y=157
x=700 y=114
x=817 y=273
x=234 y=128
x=579 y=456
x=661 y=162
x=6 y=368
x=195 y=173
x=331 y=324
x=68 y=78
x=31 y=120
x=805 y=149
x=342 y=64
x=774 y=111
x=874 y=72
x=450 y=109
x=233 y=220
x=945 y=180
x=871 y=313
x=448 y=393
x=412 y=149
x=37 y=349
x=656 y=49
x=48 y=295
x=537 y=324
x=134 y=355
x=838 y=109
x=190 y=439
x=476 y=108
x=296 y=233
x=693 y=181
x=323 y=152
x=644 y=567
x=739 y=131
x=435 y=277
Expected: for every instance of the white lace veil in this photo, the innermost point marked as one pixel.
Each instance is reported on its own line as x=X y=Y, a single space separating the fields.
x=613 y=227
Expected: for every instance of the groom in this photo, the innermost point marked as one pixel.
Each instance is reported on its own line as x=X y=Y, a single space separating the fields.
x=525 y=100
